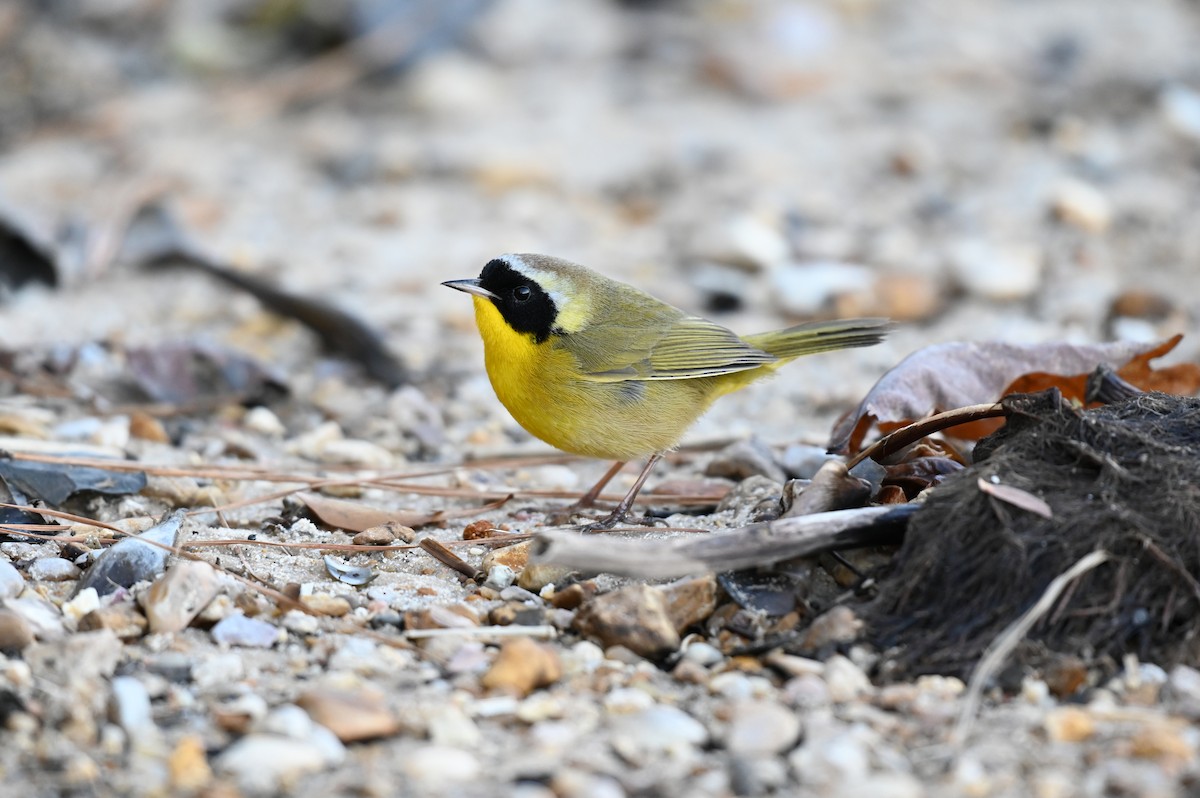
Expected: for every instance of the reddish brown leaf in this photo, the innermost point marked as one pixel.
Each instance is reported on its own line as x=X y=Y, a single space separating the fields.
x=950 y=375
x=356 y=517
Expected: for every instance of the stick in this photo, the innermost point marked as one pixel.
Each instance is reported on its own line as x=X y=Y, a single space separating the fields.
x=756 y=544
x=1006 y=641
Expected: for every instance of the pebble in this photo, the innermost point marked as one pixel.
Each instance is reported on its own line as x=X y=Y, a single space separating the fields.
x=807 y=691
x=635 y=617
x=761 y=727
x=884 y=785
x=801 y=461
x=300 y=623
x=351 y=714
x=450 y=726
x=262 y=420
x=841 y=758
x=326 y=604
x=747 y=241
x=84 y=602
x=538 y=575
x=1081 y=205
x=515 y=557
x=382 y=535
x=264 y=764
x=660 y=729
x=11 y=580
x=625 y=700
x=703 y=653
x=439 y=764
x=1163 y=740
x=522 y=666
x=42 y=616
x=1183 y=686
x=807 y=289
x=15 y=632
x=123 y=619
x=179 y=595
x=129 y=708
x=358 y=453
x=187 y=765
x=846 y=681
x=500 y=577
x=1180 y=107
x=571 y=782
x=690 y=601
x=217 y=671
x=838 y=625
x=238 y=630
x=1069 y=724
x=999 y=272
x=743 y=459
x=53 y=569
x=748 y=495
x=132 y=560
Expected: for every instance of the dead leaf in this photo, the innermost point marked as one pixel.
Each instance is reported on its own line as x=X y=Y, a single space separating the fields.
x=946 y=376
x=186 y=372
x=1010 y=494
x=357 y=517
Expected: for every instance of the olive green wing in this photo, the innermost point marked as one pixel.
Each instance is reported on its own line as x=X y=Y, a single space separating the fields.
x=661 y=346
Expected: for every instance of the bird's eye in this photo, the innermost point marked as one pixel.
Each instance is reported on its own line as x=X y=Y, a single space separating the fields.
x=522 y=293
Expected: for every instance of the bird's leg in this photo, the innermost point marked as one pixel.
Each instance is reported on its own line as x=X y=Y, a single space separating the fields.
x=620 y=512
x=588 y=499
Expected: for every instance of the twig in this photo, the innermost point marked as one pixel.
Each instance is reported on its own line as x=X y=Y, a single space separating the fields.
x=897 y=440
x=451 y=560
x=1004 y=644
x=516 y=630
x=756 y=544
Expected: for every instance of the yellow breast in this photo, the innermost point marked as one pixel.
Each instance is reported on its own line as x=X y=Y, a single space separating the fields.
x=541 y=386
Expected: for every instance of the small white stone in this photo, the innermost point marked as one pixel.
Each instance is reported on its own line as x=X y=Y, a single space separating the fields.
x=761 y=727
x=439 y=764
x=263 y=763
x=703 y=654
x=83 y=603
x=554 y=477
x=499 y=577
x=300 y=623
x=539 y=707
x=803 y=289
x=451 y=727
x=845 y=680
x=1180 y=107
x=11 y=580
x=746 y=241
x=53 y=569
x=998 y=272
x=261 y=420
x=219 y=670
x=1081 y=205
x=659 y=729
x=1035 y=691
x=625 y=700
x=354 y=452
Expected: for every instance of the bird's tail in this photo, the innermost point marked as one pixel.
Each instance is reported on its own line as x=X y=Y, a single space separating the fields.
x=820 y=336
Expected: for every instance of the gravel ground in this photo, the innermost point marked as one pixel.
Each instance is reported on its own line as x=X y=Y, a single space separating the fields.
x=978 y=169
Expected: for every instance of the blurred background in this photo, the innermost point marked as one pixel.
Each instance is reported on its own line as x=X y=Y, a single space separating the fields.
x=1015 y=169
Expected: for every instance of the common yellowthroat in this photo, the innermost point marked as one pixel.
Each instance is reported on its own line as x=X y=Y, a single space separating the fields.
x=596 y=367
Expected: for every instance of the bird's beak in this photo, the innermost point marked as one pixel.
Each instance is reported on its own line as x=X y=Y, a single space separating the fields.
x=471 y=286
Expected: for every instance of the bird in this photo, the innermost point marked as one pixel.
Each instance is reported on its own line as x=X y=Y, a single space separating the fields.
x=597 y=367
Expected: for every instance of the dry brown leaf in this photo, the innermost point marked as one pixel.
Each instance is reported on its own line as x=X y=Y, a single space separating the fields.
x=950 y=375
x=357 y=517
